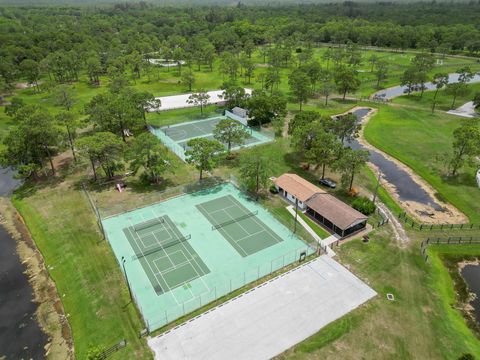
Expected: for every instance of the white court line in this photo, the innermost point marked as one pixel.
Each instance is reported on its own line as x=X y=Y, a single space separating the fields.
x=148 y=262
x=224 y=233
x=193 y=258
x=222 y=209
x=265 y=227
x=166 y=283
x=175 y=268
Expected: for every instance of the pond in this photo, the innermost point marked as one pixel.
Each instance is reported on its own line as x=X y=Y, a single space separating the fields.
x=407 y=188
x=471 y=274
x=20 y=335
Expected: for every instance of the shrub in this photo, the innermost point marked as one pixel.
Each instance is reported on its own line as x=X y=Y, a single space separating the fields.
x=364 y=205
x=273 y=189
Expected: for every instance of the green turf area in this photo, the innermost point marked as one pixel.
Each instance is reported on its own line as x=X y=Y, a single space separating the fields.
x=171 y=117
x=190 y=257
x=321 y=232
x=425 y=137
x=420 y=324
x=238 y=225
x=89 y=281
x=443 y=100
x=166 y=256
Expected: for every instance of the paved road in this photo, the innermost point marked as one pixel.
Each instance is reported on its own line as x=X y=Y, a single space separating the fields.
x=180 y=101
x=269 y=319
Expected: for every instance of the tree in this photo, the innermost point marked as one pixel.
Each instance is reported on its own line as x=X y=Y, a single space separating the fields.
x=188 y=79
x=466 y=144
x=31 y=70
x=272 y=79
x=103 y=148
x=346 y=79
x=456 y=89
x=314 y=71
x=199 y=98
x=324 y=149
x=147 y=153
x=381 y=71
x=118 y=112
x=230 y=132
x=460 y=88
x=94 y=69
x=202 y=152
x=32 y=142
x=346 y=127
x=302 y=119
x=476 y=101
x=409 y=79
x=15 y=105
x=64 y=96
x=264 y=108
x=70 y=123
x=235 y=96
x=373 y=59
x=423 y=62
x=248 y=67
x=299 y=85
x=255 y=171
x=350 y=164
x=440 y=80
x=178 y=55
x=229 y=65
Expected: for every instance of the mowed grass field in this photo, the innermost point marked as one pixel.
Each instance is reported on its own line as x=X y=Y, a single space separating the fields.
x=444 y=101
x=419 y=139
x=88 y=279
x=421 y=323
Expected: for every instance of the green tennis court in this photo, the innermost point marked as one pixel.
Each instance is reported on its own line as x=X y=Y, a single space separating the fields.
x=166 y=256
x=184 y=252
x=240 y=227
x=176 y=137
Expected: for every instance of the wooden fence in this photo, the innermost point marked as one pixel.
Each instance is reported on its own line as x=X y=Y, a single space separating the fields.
x=409 y=223
x=450 y=240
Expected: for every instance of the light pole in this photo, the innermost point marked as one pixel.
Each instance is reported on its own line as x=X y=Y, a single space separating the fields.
x=126 y=278
x=296 y=214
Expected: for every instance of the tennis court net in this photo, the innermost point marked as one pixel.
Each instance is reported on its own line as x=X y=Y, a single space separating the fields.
x=162 y=246
x=147 y=224
x=218 y=226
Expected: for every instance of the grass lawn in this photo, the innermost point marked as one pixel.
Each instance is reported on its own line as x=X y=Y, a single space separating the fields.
x=419 y=324
x=444 y=101
x=419 y=139
x=171 y=117
x=321 y=232
x=88 y=279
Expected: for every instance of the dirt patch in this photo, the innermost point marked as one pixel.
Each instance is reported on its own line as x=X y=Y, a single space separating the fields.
x=50 y=313
x=423 y=213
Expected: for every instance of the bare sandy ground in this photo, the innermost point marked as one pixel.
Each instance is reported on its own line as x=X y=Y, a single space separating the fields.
x=423 y=213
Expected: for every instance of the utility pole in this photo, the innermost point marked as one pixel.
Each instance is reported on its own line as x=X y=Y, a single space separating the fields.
x=126 y=278
x=296 y=214
x=377 y=186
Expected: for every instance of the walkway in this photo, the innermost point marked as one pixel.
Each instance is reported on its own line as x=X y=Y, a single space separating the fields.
x=180 y=101
x=325 y=243
x=269 y=319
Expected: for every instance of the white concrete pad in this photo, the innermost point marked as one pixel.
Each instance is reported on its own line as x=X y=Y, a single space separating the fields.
x=269 y=319
x=180 y=101
x=466 y=110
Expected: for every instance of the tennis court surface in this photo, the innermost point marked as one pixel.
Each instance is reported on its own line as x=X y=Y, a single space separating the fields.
x=241 y=228
x=187 y=251
x=176 y=137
